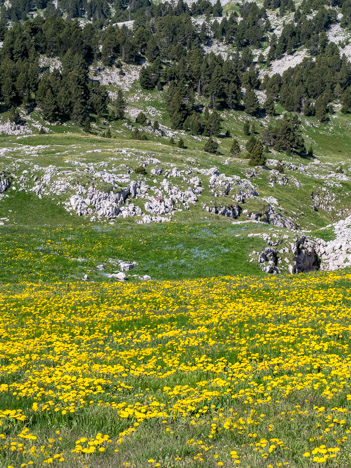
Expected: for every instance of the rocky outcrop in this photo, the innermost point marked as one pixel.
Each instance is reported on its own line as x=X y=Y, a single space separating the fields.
x=245 y=195
x=305 y=257
x=268 y=260
x=104 y=205
x=322 y=199
x=232 y=211
x=4 y=183
x=270 y=216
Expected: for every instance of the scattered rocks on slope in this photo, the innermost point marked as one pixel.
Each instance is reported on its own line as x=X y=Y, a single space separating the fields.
x=118 y=276
x=322 y=199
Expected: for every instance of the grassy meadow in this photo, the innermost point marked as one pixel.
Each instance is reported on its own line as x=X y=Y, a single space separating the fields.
x=228 y=371
x=210 y=363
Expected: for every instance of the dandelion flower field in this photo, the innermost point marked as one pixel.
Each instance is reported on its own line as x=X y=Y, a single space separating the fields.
x=230 y=371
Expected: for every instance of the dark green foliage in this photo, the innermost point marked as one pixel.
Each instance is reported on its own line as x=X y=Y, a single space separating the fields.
x=108 y=133
x=120 y=105
x=256 y=155
x=346 y=101
x=14 y=116
x=269 y=105
x=193 y=124
x=165 y=35
x=181 y=143
x=137 y=135
x=251 y=143
x=285 y=136
x=235 y=148
x=246 y=128
x=140 y=170
x=141 y=118
x=213 y=125
x=251 y=102
x=87 y=125
x=211 y=146
x=321 y=109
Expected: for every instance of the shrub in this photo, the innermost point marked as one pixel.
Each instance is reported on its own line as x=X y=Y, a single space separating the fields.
x=141 y=170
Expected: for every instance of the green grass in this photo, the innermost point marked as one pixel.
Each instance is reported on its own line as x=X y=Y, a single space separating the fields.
x=167 y=251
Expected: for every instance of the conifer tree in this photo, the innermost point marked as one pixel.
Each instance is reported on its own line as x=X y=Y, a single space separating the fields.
x=346 y=101
x=235 y=148
x=49 y=106
x=251 y=143
x=213 y=126
x=211 y=146
x=269 y=105
x=246 y=128
x=120 y=105
x=141 y=118
x=181 y=143
x=256 y=156
x=251 y=102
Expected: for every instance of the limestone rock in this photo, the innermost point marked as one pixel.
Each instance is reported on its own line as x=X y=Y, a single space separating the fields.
x=305 y=257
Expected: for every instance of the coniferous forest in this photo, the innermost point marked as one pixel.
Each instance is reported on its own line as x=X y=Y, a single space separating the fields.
x=171 y=52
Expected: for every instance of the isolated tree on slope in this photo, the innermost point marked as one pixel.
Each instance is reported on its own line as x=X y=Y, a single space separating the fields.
x=120 y=105
x=235 y=148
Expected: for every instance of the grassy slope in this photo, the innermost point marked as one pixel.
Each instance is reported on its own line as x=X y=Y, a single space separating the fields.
x=166 y=252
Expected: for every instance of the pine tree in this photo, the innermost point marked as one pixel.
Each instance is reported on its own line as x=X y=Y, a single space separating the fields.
x=346 y=101
x=235 y=148
x=251 y=102
x=251 y=143
x=321 y=109
x=246 y=128
x=216 y=88
x=14 y=116
x=193 y=124
x=49 y=106
x=213 y=126
x=79 y=113
x=256 y=156
x=86 y=125
x=269 y=105
x=152 y=49
x=211 y=146
x=141 y=118
x=120 y=105
x=181 y=143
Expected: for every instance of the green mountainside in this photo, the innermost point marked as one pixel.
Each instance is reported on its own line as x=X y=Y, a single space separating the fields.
x=229 y=118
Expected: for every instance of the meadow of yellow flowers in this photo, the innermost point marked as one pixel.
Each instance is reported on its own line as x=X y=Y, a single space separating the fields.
x=231 y=371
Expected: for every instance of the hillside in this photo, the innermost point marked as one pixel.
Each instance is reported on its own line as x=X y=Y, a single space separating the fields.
x=229 y=115
x=175 y=233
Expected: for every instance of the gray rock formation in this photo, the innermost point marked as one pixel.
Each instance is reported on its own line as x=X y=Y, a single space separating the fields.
x=305 y=257
x=4 y=183
x=322 y=199
x=268 y=260
x=232 y=211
